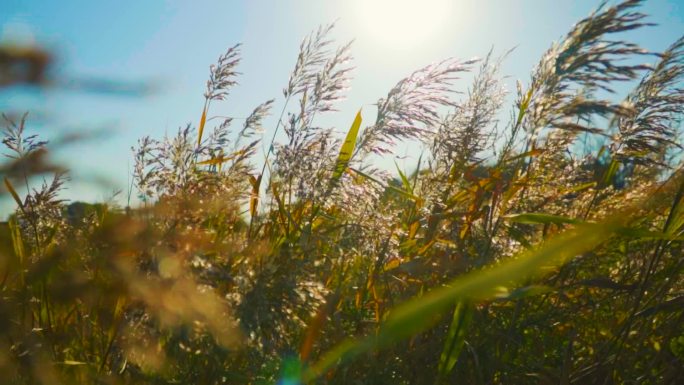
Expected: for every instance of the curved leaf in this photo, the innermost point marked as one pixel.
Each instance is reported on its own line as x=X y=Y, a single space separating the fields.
x=347 y=149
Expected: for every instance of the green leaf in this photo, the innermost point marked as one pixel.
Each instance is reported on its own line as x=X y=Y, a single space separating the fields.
x=647 y=235
x=18 y=245
x=421 y=312
x=675 y=219
x=524 y=104
x=581 y=187
x=404 y=179
x=347 y=149
x=610 y=172
x=677 y=346
x=73 y=363
x=455 y=339
x=388 y=187
x=539 y=218
x=527 y=154
x=417 y=172
x=527 y=291
x=290 y=371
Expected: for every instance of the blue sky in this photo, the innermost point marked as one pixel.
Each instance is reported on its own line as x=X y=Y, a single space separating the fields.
x=172 y=43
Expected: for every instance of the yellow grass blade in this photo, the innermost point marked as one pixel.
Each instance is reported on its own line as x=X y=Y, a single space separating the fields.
x=347 y=148
x=12 y=191
x=203 y=121
x=218 y=160
x=254 y=199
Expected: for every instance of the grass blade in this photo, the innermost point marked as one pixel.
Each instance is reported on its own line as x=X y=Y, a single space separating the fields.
x=254 y=197
x=14 y=194
x=203 y=121
x=540 y=218
x=347 y=149
x=420 y=313
x=455 y=339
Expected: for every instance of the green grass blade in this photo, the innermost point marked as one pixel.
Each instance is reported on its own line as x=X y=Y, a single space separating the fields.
x=422 y=312
x=388 y=187
x=404 y=179
x=455 y=339
x=539 y=218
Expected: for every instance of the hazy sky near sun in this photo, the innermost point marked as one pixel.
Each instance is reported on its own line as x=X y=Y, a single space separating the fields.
x=172 y=44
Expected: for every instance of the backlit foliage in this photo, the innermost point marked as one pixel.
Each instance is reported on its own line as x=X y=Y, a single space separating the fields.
x=509 y=254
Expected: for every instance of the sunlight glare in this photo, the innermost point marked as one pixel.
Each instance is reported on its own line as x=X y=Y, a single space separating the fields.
x=403 y=23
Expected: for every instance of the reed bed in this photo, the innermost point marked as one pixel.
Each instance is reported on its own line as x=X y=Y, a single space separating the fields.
x=509 y=254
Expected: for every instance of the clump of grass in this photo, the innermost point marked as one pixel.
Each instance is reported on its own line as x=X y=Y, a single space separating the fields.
x=507 y=256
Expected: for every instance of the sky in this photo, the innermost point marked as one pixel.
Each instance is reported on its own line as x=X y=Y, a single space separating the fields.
x=171 y=44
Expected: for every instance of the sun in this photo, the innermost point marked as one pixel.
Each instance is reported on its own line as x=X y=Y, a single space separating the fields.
x=403 y=23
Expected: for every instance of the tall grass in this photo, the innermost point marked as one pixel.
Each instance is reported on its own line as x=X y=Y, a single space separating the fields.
x=505 y=256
